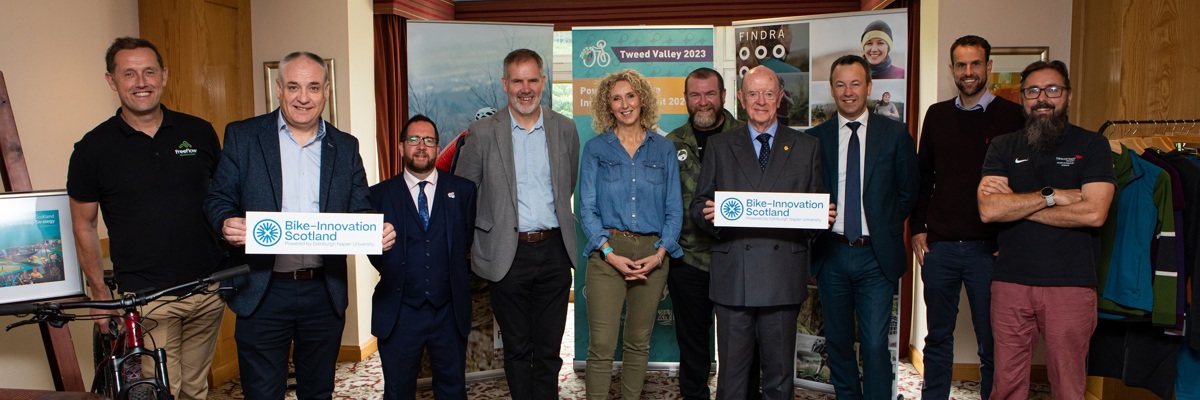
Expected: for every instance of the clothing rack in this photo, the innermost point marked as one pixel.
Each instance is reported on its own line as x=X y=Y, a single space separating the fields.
x=1162 y=134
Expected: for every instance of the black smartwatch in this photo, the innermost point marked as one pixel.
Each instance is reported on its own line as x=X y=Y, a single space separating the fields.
x=1048 y=194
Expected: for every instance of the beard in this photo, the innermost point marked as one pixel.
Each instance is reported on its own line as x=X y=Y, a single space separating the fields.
x=1044 y=132
x=419 y=167
x=705 y=119
x=980 y=83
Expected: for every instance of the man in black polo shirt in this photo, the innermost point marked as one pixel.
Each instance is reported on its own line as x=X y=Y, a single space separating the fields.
x=148 y=168
x=1050 y=186
x=952 y=245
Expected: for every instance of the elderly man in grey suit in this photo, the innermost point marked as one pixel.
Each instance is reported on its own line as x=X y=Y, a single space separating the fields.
x=758 y=275
x=525 y=160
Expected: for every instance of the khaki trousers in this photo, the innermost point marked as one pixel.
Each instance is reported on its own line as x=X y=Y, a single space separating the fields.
x=607 y=290
x=187 y=330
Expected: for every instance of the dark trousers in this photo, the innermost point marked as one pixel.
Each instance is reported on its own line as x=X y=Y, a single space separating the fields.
x=769 y=330
x=688 y=286
x=852 y=284
x=417 y=329
x=949 y=265
x=291 y=312
x=530 y=305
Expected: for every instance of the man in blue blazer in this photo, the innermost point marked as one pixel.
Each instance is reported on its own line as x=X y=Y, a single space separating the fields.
x=288 y=160
x=870 y=166
x=423 y=299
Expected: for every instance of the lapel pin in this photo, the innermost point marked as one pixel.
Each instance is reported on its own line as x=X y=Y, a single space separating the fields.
x=450 y=195
x=786 y=148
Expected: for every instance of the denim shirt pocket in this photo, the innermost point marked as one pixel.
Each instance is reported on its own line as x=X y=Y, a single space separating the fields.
x=655 y=171
x=610 y=171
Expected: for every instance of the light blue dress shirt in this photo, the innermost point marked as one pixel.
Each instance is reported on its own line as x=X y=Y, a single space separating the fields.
x=301 y=168
x=754 y=137
x=637 y=194
x=983 y=103
x=535 y=194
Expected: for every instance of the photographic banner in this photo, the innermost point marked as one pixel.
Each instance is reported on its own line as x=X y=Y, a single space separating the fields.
x=454 y=73
x=801 y=50
x=664 y=55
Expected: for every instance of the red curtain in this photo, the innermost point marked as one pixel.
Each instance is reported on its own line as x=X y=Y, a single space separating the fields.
x=391 y=94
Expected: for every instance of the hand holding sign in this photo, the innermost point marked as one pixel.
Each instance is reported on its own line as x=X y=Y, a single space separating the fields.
x=234 y=231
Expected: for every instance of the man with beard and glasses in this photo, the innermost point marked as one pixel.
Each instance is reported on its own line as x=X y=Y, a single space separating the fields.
x=704 y=89
x=1049 y=186
x=525 y=159
x=423 y=299
x=953 y=247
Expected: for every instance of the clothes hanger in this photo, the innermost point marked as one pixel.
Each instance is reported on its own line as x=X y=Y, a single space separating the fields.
x=1132 y=141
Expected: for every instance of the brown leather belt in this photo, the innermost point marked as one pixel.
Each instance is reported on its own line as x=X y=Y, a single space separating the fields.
x=616 y=231
x=862 y=240
x=299 y=275
x=538 y=236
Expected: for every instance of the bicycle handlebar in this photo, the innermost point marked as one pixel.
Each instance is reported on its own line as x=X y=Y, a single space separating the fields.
x=127 y=301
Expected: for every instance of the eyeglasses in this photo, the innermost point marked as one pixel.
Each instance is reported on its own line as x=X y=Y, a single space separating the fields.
x=429 y=141
x=769 y=95
x=1052 y=91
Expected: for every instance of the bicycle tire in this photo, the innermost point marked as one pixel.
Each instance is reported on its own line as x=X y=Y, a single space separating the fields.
x=102 y=383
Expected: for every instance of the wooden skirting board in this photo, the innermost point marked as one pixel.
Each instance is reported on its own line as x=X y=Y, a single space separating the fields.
x=970 y=371
x=358 y=353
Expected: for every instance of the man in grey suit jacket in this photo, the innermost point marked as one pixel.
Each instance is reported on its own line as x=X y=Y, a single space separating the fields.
x=525 y=159
x=288 y=300
x=870 y=166
x=758 y=275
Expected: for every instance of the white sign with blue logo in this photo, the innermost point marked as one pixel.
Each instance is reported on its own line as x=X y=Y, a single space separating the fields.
x=771 y=210
x=313 y=233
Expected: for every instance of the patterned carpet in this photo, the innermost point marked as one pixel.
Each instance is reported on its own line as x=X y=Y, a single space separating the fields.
x=364 y=380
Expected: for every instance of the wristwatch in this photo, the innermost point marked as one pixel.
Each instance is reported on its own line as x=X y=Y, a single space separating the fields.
x=1048 y=194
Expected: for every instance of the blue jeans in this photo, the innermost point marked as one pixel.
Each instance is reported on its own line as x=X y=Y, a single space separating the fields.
x=950 y=265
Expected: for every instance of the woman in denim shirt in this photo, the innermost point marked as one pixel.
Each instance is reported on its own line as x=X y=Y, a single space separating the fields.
x=631 y=214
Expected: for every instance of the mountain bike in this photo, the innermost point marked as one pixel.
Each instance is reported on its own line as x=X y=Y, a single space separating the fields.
x=119 y=376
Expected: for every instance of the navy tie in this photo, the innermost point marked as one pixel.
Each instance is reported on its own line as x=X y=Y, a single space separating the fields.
x=423 y=205
x=765 y=153
x=853 y=221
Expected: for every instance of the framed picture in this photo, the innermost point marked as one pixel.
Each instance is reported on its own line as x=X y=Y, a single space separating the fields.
x=37 y=248
x=271 y=73
x=1007 y=64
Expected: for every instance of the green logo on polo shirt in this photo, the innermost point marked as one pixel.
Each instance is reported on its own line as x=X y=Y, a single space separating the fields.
x=185 y=150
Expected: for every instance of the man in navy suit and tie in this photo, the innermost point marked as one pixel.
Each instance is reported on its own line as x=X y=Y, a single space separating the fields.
x=423 y=300
x=288 y=160
x=870 y=166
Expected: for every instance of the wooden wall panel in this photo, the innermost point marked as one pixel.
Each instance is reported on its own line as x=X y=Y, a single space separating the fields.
x=206 y=47
x=565 y=14
x=1134 y=59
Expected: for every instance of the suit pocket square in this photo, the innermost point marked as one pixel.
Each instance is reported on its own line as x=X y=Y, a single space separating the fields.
x=450 y=195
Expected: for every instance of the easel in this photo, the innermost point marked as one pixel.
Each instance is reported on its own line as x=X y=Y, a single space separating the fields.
x=60 y=350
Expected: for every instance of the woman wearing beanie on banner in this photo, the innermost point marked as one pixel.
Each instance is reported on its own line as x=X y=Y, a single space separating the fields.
x=631 y=214
x=876 y=46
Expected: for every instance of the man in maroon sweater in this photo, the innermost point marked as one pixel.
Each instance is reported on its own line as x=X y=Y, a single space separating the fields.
x=952 y=245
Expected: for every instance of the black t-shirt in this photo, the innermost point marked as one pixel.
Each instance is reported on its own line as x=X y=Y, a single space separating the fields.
x=702 y=137
x=151 y=194
x=1041 y=255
